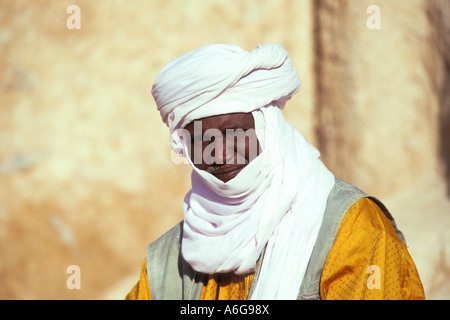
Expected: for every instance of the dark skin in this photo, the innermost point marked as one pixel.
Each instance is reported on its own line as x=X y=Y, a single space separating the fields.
x=229 y=158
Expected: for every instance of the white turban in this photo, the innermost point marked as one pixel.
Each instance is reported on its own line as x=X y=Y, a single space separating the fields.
x=221 y=79
x=276 y=203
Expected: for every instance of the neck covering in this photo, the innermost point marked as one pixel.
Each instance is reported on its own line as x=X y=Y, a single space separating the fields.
x=276 y=203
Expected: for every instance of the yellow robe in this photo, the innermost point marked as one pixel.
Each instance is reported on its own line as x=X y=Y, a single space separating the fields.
x=367 y=262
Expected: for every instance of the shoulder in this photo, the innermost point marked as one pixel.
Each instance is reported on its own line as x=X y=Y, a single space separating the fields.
x=366 y=220
x=366 y=239
x=354 y=205
x=370 y=220
x=341 y=198
x=167 y=240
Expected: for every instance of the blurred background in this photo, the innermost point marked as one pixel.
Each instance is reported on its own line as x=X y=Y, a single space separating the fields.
x=86 y=176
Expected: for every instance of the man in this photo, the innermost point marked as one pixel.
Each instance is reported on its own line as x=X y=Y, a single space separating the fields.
x=265 y=219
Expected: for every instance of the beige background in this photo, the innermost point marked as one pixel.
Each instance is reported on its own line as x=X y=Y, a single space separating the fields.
x=86 y=176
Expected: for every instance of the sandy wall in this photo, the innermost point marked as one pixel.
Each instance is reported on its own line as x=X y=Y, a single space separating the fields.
x=85 y=172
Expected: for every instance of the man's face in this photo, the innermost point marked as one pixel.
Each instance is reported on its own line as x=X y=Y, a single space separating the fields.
x=223 y=145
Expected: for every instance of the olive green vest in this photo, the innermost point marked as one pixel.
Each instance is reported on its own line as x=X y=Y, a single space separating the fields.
x=170 y=277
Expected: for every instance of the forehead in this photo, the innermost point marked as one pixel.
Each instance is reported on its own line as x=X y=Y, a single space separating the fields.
x=225 y=121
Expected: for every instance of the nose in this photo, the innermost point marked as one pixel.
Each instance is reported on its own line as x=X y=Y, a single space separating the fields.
x=218 y=152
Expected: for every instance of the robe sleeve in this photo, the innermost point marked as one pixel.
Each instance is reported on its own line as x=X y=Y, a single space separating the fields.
x=140 y=291
x=368 y=261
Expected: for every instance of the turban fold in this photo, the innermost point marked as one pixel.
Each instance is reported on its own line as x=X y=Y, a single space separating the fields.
x=221 y=79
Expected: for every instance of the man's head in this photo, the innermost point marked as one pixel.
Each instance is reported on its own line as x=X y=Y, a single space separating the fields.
x=224 y=144
x=217 y=88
